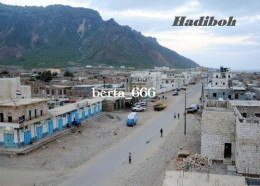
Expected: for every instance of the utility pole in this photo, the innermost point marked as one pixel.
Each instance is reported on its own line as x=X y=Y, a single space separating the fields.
x=185 y=115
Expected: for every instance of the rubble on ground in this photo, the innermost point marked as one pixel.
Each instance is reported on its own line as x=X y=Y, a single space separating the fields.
x=195 y=162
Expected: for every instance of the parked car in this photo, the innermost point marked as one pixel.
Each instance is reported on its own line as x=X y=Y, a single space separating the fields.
x=193 y=108
x=131 y=119
x=175 y=93
x=143 y=104
x=159 y=106
x=183 y=88
x=139 y=108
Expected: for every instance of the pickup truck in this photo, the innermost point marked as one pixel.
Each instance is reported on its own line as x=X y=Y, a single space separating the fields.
x=193 y=108
x=143 y=104
x=138 y=108
x=159 y=106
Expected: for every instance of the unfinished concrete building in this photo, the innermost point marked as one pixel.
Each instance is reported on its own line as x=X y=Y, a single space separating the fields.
x=231 y=134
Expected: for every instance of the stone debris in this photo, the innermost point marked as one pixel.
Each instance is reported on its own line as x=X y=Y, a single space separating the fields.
x=183 y=153
x=196 y=163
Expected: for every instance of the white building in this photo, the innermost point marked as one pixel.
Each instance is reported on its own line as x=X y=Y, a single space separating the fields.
x=163 y=68
x=221 y=78
x=25 y=120
x=146 y=79
x=12 y=88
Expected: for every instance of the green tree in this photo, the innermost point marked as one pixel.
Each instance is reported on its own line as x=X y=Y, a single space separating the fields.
x=54 y=74
x=45 y=76
x=5 y=72
x=68 y=74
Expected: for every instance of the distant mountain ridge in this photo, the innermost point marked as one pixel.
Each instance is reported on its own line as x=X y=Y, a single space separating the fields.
x=61 y=36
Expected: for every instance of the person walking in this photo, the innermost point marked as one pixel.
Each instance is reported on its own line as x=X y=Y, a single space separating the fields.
x=178 y=115
x=161 y=131
x=129 y=158
x=174 y=115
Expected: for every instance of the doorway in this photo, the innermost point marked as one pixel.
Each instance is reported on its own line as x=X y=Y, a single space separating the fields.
x=227 y=150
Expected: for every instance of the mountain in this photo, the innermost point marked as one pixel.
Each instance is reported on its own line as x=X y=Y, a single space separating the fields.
x=61 y=36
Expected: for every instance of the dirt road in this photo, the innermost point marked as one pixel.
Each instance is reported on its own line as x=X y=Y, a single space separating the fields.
x=97 y=153
x=111 y=165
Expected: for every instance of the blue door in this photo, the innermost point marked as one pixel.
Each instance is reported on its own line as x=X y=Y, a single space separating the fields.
x=76 y=117
x=50 y=127
x=69 y=120
x=60 y=123
x=99 y=108
x=89 y=112
x=95 y=110
x=9 y=140
x=83 y=115
x=39 y=132
x=27 y=137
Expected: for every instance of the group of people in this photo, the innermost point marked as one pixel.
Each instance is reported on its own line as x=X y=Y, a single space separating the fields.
x=164 y=97
x=176 y=115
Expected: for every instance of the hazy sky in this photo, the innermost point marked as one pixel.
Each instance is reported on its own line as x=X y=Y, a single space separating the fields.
x=236 y=47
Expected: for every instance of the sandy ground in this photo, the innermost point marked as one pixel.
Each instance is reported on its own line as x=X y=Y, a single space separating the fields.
x=50 y=164
x=55 y=159
x=151 y=172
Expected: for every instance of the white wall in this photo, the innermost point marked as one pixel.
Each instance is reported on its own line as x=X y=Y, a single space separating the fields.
x=8 y=87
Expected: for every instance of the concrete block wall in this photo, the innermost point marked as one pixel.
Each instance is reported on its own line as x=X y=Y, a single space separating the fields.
x=251 y=111
x=217 y=128
x=248 y=147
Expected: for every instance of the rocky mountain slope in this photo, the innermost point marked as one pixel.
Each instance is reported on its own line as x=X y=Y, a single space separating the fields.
x=60 y=36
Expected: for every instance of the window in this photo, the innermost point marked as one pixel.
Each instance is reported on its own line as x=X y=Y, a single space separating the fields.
x=228 y=76
x=244 y=115
x=35 y=113
x=214 y=95
x=257 y=115
x=224 y=83
x=229 y=96
x=216 y=83
x=30 y=115
x=216 y=76
x=236 y=95
x=21 y=119
x=41 y=112
x=224 y=93
x=10 y=119
x=1 y=117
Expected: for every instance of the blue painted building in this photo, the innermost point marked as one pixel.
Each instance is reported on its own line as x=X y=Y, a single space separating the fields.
x=23 y=121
